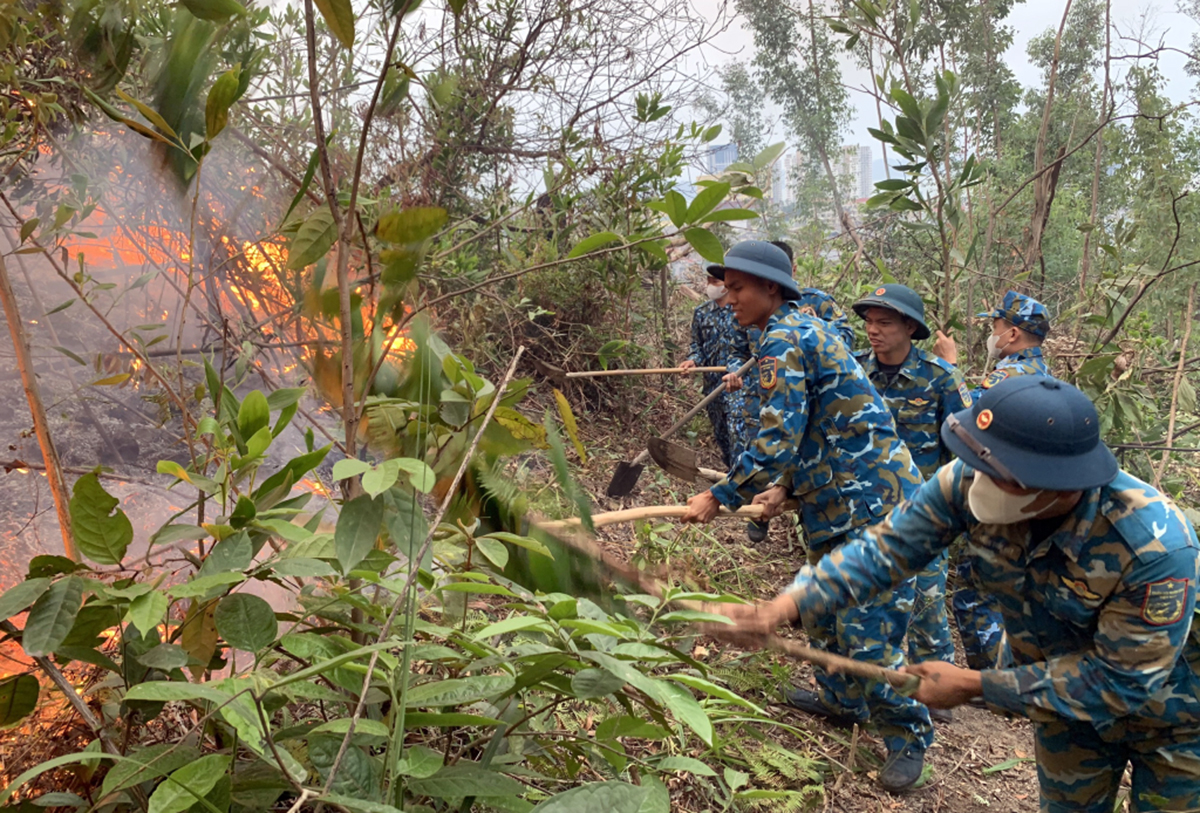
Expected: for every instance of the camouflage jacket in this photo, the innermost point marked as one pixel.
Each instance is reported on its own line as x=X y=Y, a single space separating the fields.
x=826 y=307
x=1097 y=613
x=920 y=396
x=823 y=431
x=1026 y=362
x=717 y=341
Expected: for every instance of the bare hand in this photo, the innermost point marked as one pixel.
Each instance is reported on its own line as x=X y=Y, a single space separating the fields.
x=944 y=347
x=944 y=685
x=687 y=365
x=702 y=508
x=753 y=620
x=771 y=500
x=733 y=382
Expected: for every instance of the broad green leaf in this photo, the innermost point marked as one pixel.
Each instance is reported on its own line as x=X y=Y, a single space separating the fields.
x=688 y=764
x=768 y=156
x=146 y=764
x=349 y=467
x=598 y=797
x=339 y=16
x=188 y=784
x=495 y=551
x=246 y=622
x=371 y=728
x=727 y=215
x=357 y=529
x=167 y=691
x=221 y=97
x=203 y=584
x=715 y=690
x=568 y=419
x=101 y=534
x=519 y=622
x=457 y=691
x=218 y=11
x=593 y=242
x=52 y=616
x=380 y=478
x=20 y=596
x=18 y=698
x=313 y=239
x=164 y=657
x=522 y=542
x=676 y=207
x=706 y=244
x=420 y=476
x=111 y=381
x=419 y=762
x=705 y=201
x=253 y=414
x=687 y=710
x=462 y=779
x=28 y=228
x=199 y=637
x=412 y=226
x=594 y=682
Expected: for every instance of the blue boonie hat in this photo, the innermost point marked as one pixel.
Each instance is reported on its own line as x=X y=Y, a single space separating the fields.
x=1038 y=430
x=1023 y=311
x=759 y=259
x=899 y=298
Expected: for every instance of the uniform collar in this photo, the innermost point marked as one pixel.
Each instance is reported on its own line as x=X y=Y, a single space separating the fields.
x=1027 y=354
x=1076 y=527
x=909 y=368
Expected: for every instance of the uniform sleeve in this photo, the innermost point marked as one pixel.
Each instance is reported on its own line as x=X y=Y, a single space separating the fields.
x=739 y=350
x=1132 y=657
x=783 y=420
x=832 y=313
x=695 y=354
x=909 y=538
x=951 y=401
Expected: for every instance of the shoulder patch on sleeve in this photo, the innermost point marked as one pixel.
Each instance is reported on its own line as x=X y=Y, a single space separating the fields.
x=1165 y=601
x=965 y=394
x=768 y=372
x=994 y=378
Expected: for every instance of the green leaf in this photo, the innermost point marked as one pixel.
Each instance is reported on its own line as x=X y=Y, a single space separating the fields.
x=20 y=596
x=203 y=584
x=457 y=691
x=726 y=215
x=253 y=414
x=598 y=797
x=593 y=242
x=70 y=355
x=218 y=11
x=28 y=228
x=706 y=244
x=594 y=682
x=349 y=467
x=352 y=803
x=380 y=478
x=688 y=764
x=246 y=622
x=357 y=529
x=52 y=616
x=370 y=728
x=715 y=690
x=496 y=553
x=420 y=476
x=568 y=419
x=460 y=780
x=339 y=16
x=146 y=764
x=188 y=784
x=514 y=624
x=102 y=535
x=18 y=698
x=221 y=97
x=412 y=226
x=705 y=201
x=521 y=542
x=1006 y=765
x=151 y=115
x=768 y=156
x=164 y=657
x=167 y=691
x=146 y=611
x=312 y=240
x=419 y=762
x=685 y=708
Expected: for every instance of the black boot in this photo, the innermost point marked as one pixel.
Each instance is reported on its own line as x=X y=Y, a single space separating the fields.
x=808 y=701
x=902 y=768
x=756 y=532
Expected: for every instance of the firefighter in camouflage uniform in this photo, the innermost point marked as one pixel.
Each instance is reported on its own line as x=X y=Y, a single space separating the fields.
x=827 y=438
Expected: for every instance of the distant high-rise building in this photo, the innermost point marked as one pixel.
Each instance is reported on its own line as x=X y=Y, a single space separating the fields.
x=720 y=156
x=855 y=170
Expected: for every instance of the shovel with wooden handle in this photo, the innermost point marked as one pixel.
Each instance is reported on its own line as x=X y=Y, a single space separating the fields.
x=680 y=461
x=627 y=473
x=646 y=371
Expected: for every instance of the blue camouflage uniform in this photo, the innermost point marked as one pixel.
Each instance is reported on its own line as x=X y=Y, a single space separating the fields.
x=827 y=436
x=1097 y=613
x=977 y=614
x=718 y=340
x=814 y=302
x=922 y=393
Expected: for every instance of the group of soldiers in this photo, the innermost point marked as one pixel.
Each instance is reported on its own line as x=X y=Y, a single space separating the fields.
x=1077 y=581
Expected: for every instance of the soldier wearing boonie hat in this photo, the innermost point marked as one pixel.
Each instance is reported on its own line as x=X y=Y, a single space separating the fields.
x=1019 y=326
x=827 y=438
x=1096 y=573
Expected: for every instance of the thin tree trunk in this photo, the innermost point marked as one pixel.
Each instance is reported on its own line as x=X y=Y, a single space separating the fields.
x=54 y=475
x=1187 y=335
x=1085 y=262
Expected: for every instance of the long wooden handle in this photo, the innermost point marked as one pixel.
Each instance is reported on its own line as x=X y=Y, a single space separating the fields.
x=651 y=512
x=708 y=399
x=646 y=371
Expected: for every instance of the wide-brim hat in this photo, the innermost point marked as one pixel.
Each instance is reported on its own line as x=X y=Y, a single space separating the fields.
x=759 y=259
x=899 y=298
x=1039 y=431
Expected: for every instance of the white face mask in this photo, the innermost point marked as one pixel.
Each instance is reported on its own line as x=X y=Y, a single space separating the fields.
x=993 y=350
x=993 y=506
x=714 y=292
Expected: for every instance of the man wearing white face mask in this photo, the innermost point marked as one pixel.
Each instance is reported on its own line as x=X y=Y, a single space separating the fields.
x=1096 y=575
x=1019 y=327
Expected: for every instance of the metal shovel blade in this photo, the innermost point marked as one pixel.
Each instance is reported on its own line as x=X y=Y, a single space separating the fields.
x=677 y=461
x=624 y=479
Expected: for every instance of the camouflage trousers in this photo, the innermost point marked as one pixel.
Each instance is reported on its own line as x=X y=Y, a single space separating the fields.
x=718 y=416
x=979 y=621
x=1080 y=769
x=874 y=633
x=732 y=432
x=929 y=636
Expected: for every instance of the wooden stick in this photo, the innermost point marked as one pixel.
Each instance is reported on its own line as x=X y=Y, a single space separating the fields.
x=649 y=512
x=647 y=371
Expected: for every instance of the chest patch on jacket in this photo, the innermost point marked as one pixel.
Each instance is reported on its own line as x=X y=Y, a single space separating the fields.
x=1164 y=602
x=1079 y=587
x=995 y=378
x=768 y=372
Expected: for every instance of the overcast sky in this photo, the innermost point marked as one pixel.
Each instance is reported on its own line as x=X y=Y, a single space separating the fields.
x=1154 y=19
